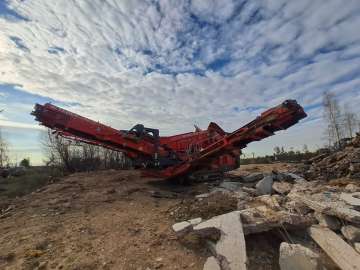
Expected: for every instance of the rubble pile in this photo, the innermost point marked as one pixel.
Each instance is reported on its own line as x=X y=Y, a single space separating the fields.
x=327 y=216
x=343 y=163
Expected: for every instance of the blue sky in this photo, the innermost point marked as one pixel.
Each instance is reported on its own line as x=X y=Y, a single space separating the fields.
x=172 y=64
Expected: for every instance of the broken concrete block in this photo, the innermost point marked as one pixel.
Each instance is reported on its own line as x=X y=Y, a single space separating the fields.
x=253 y=177
x=351 y=233
x=202 y=196
x=211 y=264
x=297 y=257
x=357 y=247
x=230 y=250
x=231 y=186
x=330 y=208
x=351 y=188
x=182 y=227
x=251 y=191
x=296 y=177
x=351 y=198
x=282 y=187
x=195 y=221
x=264 y=186
x=271 y=201
x=241 y=195
x=335 y=247
x=262 y=218
x=328 y=221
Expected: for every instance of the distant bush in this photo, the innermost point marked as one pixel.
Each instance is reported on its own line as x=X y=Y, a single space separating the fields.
x=25 y=163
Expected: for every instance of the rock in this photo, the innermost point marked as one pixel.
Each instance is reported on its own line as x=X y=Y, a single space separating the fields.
x=297 y=257
x=283 y=177
x=230 y=249
x=295 y=177
x=195 y=221
x=240 y=195
x=335 y=247
x=202 y=196
x=262 y=218
x=211 y=264
x=351 y=233
x=253 y=177
x=329 y=208
x=351 y=198
x=357 y=247
x=182 y=227
x=251 y=191
x=328 y=221
x=351 y=188
x=42 y=266
x=231 y=186
x=282 y=187
x=271 y=201
x=354 y=167
x=264 y=186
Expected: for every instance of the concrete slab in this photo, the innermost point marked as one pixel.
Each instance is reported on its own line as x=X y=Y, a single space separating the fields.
x=230 y=250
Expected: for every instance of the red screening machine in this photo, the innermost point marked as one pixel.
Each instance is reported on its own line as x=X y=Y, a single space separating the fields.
x=195 y=154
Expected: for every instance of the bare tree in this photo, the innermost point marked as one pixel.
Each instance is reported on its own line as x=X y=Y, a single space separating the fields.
x=58 y=151
x=4 y=153
x=332 y=114
x=350 y=122
x=74 y=156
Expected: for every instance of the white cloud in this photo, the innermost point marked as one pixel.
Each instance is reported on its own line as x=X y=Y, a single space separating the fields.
x=170 y=64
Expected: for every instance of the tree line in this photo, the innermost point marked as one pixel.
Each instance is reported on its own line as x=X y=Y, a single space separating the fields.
x=282 y=155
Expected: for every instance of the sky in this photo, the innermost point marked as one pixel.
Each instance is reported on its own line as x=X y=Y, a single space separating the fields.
x=172 y=64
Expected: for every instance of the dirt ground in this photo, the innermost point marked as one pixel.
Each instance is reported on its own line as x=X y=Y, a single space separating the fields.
x=105 y=220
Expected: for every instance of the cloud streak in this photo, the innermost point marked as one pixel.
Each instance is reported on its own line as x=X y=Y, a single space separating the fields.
x=19 y=125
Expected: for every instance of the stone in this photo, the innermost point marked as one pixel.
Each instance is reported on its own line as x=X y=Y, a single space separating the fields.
x=297 y=257
x=295 y=177
x=230 y=249
x=211 y=264
x=251 y=191
x=329 y=208
x=253 y=177
x=262 y=219
x=351 y=233
x=195 y=221
x=357 y=247
x=328 y=221
x=271 y=201
x=240 y=195
x=282 y=187
x=202 y=196
x=354 y=167
x=335 y=247
x=182 y=227
x=351 y=188
x=231 y=186
x=351 y=198
x=264 y=186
